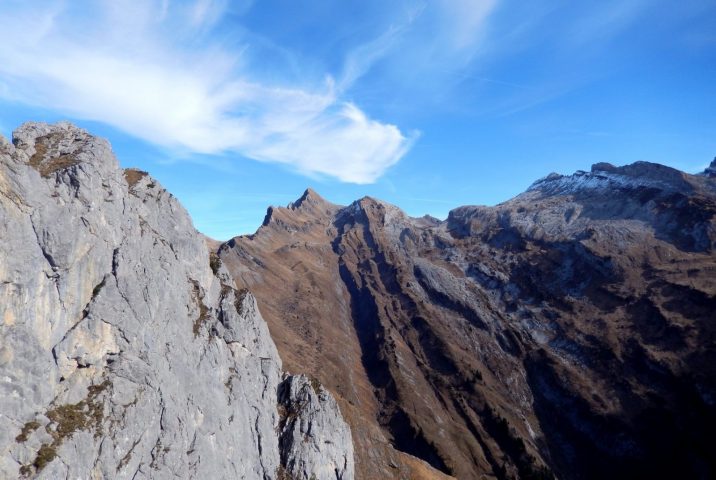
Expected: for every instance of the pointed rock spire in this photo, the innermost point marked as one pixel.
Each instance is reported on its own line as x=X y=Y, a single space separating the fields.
x=310 y=196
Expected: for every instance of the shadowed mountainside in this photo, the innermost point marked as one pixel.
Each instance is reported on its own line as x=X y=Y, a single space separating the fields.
x=568 y=331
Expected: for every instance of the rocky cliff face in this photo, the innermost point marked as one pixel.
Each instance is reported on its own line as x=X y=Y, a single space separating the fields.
x=568 y=332
x=125 y=349
x=315 y=441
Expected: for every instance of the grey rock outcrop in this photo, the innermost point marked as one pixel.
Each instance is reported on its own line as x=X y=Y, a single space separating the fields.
x=711 y=169
x=125 y=351
x=315 y=441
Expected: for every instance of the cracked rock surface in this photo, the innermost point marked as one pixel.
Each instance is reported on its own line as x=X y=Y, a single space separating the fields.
x=315 y=440
x=123 y=353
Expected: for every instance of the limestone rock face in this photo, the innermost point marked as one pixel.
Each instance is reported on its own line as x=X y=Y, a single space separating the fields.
x=123 y=353
x=315 y=440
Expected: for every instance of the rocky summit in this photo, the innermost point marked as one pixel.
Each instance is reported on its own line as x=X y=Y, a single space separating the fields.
x=568 y=333
x=125 y=349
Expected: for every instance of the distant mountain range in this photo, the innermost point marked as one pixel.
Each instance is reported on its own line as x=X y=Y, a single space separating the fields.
x=567 y=333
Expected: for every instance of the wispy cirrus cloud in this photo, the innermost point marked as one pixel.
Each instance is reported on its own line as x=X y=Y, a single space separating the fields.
x=169 y=74
x=465 y=20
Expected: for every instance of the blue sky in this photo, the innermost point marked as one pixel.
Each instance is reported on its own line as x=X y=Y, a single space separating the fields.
x=237 y=105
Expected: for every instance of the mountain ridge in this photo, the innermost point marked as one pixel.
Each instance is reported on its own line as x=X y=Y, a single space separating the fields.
x=411 y=301
x=643 y=173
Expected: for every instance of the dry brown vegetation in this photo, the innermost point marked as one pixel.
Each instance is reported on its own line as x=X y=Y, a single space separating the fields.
x=65 y=420
x=483 y=345
x=133 y=176
x=47 y=163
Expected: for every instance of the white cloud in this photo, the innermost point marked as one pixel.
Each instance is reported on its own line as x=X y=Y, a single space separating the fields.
x=384 y=144
x=424 y=48
x=154 y=71
x=206 y=12
x=362 y=58
x=465 y=20
x=606 y=20
x=434 y=39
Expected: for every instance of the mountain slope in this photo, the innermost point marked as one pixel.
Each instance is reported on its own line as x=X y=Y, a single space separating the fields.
x=123 y=354
x=568 y=331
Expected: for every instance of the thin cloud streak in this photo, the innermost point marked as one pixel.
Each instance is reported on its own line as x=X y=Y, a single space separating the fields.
x=606 y=21
x=183 y=90
x=466 y=19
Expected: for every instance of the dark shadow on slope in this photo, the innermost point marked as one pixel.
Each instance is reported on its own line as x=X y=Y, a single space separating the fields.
x=375 y=352
x=659 y=441
x=406 y=436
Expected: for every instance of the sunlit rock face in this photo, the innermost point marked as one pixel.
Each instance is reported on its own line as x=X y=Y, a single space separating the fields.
x=125 y=351
x=315 y=441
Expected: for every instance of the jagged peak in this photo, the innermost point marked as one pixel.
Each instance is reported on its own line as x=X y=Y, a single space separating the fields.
x=268 y=216
x=373 y=208
x=310 y=204
x=711 y=169
x=309 y=197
